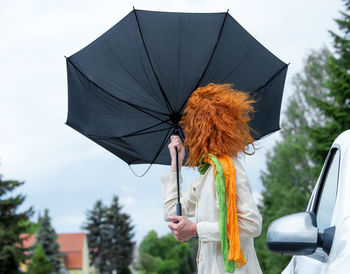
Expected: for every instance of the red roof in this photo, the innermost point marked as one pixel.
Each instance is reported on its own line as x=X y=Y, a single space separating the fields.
x=71 y=243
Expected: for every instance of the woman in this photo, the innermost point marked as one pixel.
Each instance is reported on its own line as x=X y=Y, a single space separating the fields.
x=227 y=218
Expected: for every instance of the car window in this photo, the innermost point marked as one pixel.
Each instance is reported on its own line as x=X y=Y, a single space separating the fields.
x=326 y=198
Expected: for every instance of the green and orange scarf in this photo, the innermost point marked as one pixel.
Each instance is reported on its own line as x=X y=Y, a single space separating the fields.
x=224 y=175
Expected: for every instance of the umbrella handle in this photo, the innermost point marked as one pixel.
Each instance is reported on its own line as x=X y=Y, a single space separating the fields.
x=178 y=205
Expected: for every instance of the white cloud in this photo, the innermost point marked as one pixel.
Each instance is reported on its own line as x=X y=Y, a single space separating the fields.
x=128 y=201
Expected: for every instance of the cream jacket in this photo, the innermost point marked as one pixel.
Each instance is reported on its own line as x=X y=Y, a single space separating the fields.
x=200 y=201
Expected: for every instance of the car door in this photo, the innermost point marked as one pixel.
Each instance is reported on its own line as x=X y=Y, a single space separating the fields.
x=322 y=203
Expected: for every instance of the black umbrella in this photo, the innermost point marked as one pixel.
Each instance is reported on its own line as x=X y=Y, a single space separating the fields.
x=128 y=88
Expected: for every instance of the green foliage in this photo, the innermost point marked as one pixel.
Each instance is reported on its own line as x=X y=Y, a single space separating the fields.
x=151 y=244
x=109 y=235
x=95 y=226
x=291 y=174
x=166 y=255
x=47 y=238
x=126 y=271
x=148 y=263
x=335 y=103
x=12 y=225
x=193 y=242
x=32 y=227
x=120 y=237
x=40 y=263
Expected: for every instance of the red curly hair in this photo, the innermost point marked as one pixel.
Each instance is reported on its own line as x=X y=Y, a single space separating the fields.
x=216 y=121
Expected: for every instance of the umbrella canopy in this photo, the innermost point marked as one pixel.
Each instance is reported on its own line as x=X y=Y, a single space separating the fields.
x=128 y=88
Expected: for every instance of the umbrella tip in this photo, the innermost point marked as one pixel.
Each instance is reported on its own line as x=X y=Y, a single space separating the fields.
x=227 y=10
x=133 y=7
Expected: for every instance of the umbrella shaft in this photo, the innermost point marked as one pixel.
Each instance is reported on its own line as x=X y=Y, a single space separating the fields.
x=178 y=205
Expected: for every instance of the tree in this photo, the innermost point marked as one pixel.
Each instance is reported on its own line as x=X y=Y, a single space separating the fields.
x=119 y=237
x=291 y=174
x=32 y=226
x=109 y=235
x=12 y=225
x=96 y=237
x=40 y=263
x=47 y=238
x=148 y=264
x=193 y=243
x=335 y=104
x=165 y=255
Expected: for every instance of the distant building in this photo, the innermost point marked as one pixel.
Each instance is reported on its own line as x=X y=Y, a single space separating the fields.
x=75 y=246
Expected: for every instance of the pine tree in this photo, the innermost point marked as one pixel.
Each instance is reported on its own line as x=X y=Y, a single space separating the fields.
x=96 y=235
x=291 y=174
x=32 y=226
x=12 y=225
x=119 y=237
x=109 y=234
x=47 y=237
x=40 y=264
x=335 y=104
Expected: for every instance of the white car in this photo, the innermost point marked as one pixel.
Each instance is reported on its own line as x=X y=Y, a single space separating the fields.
x=319 y=238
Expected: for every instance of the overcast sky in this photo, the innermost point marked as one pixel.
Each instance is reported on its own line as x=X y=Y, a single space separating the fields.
x=63 y=170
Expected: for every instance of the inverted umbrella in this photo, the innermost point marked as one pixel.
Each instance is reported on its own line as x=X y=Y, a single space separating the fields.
x=128 y=88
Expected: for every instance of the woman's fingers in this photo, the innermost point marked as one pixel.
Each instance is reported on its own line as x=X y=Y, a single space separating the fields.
x=173 y=145
x=176 y=143
x=175 y=138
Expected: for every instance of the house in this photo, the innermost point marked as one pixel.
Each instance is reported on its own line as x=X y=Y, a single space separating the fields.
x=75 y=246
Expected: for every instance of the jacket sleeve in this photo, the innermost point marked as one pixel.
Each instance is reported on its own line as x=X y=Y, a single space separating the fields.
x=188 y=199
x=248 y=215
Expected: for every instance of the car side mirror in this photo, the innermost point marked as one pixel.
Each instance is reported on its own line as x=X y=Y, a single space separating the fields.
x=297 y=234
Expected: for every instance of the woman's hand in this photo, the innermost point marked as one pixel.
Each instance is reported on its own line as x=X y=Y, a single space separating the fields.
x=176 y=143
x=182 y=228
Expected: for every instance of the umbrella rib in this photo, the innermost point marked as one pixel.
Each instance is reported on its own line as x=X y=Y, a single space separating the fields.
x=272 y=78
x=139 y=108
x=155 y=157
x=136 y=133
x=179 y=55
x=131 y=75
x=182 y=135
x=212 y=54
x=209 y=61
x=142 y=131
x=148 y=132
x=162 y=145
x=149 y=60
x=240 y=62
